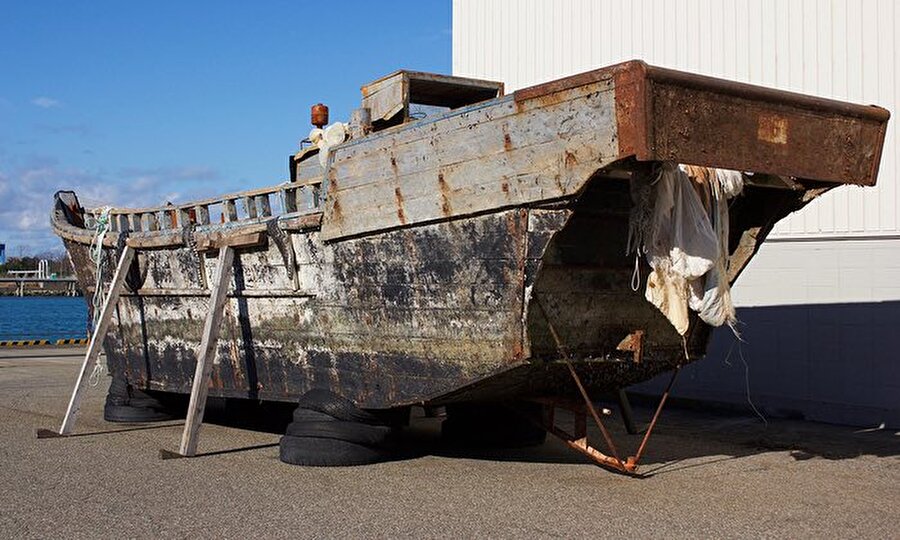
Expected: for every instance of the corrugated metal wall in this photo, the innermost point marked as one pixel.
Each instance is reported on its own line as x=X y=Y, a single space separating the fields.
x=843 y=49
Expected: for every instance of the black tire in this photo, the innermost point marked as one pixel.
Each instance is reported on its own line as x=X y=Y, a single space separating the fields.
x=127 y=414
x=352 y=432
x=335 y=406
x=139 y=398
x=118 y=391
x=316 y=452
x=121 y=393
x=309 y=415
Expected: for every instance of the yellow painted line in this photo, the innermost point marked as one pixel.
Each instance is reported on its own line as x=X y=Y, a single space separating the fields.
x=40 y=342
x=72 y=341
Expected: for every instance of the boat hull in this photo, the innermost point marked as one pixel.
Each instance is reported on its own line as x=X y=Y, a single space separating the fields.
x=465 y=257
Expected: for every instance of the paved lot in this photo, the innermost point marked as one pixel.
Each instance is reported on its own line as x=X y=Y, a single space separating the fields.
x=708 y=475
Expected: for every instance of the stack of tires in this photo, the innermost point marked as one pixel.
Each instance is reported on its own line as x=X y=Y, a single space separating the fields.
x=329 y=430
x=125 y=403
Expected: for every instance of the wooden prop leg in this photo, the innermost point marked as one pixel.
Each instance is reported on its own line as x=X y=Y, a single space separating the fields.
x=205 y=356
x=96 y=344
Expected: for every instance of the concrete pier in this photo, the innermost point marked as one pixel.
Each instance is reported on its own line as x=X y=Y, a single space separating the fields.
x=708 y=476
x=21 y=286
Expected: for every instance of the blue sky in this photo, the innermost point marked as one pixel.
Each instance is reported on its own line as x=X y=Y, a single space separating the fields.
x=135 y=103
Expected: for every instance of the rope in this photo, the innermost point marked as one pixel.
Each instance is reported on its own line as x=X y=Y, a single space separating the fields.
x=101 y=228
x=636 y=275
x=738 y=341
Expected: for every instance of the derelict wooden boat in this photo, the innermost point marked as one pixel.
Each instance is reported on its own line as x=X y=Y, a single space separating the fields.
x=432 y=260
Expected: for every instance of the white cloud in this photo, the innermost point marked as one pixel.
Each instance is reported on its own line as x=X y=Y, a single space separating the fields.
x=45 y=102
x=27 y=193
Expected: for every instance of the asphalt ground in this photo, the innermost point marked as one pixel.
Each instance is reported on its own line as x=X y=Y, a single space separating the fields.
x=706 y=475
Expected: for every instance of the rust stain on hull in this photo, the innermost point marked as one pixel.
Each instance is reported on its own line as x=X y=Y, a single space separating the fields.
x=398 y=198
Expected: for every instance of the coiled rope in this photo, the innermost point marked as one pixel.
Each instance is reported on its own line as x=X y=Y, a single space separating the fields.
x=101 y=228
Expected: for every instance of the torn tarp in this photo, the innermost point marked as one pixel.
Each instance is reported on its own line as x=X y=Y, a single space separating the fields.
x=680 y=224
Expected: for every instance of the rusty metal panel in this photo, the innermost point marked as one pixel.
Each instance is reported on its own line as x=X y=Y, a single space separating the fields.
x=669 y=115
x=712 y=122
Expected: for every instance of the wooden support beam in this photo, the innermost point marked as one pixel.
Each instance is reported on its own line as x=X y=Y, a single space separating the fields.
x=206 y=354
x=96 y=343
x=230 y=210
x=201 y=211
x=263 y=204
x=152 y=222
x=136 y=225
x=290 y=199
x=250 y=205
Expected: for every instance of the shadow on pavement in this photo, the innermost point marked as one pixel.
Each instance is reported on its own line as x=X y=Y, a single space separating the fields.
x=682 y=437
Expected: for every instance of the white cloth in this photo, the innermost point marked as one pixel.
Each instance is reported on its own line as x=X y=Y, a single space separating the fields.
x=686 y=245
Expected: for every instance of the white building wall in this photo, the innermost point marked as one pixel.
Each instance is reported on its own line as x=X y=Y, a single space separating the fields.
x=842 y=49
x=823 y=294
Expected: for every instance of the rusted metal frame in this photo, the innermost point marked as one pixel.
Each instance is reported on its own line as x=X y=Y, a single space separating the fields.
x=590 y=405
x=629 y=465
x=633 y=460
x=577 y=440
x=705 y=83
x=587 y=400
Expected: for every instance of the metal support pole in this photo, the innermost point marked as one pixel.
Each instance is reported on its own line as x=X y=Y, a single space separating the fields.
x=581 y=389
x=633 y=461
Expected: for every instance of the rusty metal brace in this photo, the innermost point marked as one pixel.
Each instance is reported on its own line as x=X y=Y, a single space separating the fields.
x=579 y=441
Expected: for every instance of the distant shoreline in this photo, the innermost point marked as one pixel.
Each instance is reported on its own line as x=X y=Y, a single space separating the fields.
x=38 y=292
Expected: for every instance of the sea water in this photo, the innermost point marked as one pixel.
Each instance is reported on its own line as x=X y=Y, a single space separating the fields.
x=43 y=317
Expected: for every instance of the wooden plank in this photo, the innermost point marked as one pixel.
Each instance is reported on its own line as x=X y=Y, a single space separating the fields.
x=155 y=241
x=184 y=217
x=96 y=344
x=299 y=223
x=506 y=158
x=152 y=222
x=229 y=209
x=135 y=224
x=265 y=207
x=200 y=385
x=250 y=205
x=202 y=213
x=217 y=240
x=290 y=199
x=385 y=97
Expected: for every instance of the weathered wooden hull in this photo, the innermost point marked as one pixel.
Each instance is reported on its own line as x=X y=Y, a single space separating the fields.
x=445 y=251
